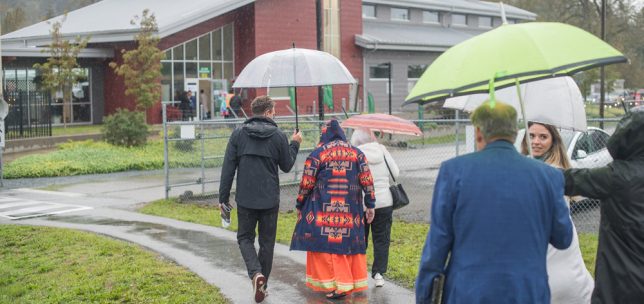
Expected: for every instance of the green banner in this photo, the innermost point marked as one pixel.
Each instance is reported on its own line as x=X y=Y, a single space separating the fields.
x=328 y=96
x=291 y=94
x=371 y=104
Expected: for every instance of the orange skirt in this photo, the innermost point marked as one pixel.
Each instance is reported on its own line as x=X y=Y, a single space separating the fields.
x=328 y=272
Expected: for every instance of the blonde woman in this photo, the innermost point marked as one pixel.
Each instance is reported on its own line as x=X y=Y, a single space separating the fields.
x=569 y=280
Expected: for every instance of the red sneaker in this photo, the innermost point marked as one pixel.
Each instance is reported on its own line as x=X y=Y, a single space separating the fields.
x=259 y=281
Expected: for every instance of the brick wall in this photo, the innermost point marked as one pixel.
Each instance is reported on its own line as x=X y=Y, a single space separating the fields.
x=265 y=26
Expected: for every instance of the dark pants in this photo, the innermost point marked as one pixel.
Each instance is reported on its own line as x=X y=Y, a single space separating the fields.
x=381 y=234
x=266 y=222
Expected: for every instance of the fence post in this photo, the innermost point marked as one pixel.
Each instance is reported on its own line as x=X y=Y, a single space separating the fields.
x=166 y=167
x=203 y=161
x=458 y=126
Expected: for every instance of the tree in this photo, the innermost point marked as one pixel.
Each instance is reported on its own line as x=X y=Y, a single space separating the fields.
x=141 y=67
x=61 y=70
x=623 y=31
x=13 y=19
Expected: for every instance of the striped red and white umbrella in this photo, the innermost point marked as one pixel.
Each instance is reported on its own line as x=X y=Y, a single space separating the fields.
x=384 y=123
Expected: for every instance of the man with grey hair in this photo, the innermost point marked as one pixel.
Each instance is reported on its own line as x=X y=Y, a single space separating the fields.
x=255 y=151
x=493 y=214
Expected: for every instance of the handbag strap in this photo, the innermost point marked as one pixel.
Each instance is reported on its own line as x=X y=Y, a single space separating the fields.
x=386 y=163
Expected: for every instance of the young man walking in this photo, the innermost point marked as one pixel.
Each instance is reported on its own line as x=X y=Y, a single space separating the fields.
x=256 y=151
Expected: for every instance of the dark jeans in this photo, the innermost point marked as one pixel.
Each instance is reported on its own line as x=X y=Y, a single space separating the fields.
x=381 y=234
x=248 y=219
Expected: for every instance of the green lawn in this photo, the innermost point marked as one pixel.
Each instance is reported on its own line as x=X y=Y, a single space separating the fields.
x=94 y=157
x=51 y=265
x=432 y=140
x=610 y=111
x=407 y=239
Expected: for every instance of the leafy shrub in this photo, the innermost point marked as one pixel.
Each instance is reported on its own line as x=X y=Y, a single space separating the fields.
x=125 y=128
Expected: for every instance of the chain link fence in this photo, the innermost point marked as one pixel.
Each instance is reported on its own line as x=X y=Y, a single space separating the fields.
x=195 y=152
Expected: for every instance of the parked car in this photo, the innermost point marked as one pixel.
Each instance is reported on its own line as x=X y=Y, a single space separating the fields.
x=586 y=149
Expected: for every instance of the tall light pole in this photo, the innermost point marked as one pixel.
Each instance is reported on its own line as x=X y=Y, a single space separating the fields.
x=4 y=110
x=602 y=74
x=389 y=83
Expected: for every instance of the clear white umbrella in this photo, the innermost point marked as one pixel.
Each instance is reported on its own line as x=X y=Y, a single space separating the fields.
x=294 y=67
x=554 y=101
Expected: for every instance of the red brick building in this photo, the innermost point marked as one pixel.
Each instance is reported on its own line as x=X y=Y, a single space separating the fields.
x=207 y=43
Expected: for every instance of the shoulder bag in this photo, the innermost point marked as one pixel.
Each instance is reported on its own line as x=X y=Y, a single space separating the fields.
x=398 y=194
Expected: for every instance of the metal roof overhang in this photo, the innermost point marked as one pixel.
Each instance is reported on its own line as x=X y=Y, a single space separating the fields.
x=373 y=44
x=42 y=52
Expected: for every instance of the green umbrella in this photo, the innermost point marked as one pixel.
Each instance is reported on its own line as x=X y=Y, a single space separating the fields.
x=509 y=54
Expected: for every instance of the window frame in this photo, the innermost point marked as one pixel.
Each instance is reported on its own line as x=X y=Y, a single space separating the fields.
x=438 y=17
x=464 y=24
x=488 y=24
x=393 y=18
x=375 y=13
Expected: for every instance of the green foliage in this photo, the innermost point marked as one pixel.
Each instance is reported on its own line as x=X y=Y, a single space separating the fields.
x=624 y=25
x=51 y=265
x=141 y=67
x=90 y=157
x=125 y=128
x=12 y=19
x=61 y=70
x=588 y=244
x=407 y=239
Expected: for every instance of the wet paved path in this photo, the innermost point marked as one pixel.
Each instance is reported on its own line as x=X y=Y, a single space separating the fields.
x=210 y=252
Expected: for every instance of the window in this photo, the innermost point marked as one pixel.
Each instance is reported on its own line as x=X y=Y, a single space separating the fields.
x=279 y=93
x=177 y=53
x=415 y=71
x=368 y=11
x=331 y=20
x=204 y=47
x=511 y=21
x=431 y=17
x=228 y=42
x=599 y=140
x=583 y=143
x=191 y=50
x=459 y=19
x=209 y=56
x=380 y=71
x=485 y=22
x=399 y=14
x=79 y=110
x=217 y=52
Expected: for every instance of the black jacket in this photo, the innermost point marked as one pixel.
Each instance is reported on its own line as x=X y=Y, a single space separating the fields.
x=255 y=150
x=619 y=270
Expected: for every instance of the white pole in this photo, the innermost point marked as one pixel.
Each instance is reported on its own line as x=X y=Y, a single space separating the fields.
x=4 y=110
x=503 y=19
x=526 y=134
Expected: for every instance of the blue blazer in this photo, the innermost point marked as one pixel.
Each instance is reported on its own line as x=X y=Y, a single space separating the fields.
x=492 y=216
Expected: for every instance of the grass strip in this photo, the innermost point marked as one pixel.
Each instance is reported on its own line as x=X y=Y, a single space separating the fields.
x=53 y=265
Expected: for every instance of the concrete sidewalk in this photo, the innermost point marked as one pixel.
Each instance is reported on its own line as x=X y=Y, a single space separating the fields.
x=210 y=252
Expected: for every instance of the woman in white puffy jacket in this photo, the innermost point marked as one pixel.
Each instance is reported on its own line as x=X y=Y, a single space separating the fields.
x=380 y=228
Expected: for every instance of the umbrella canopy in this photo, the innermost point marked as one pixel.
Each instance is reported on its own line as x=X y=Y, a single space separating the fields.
x=526 y=52
x=384 y=123
x=554 y=101
x=293 y=67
